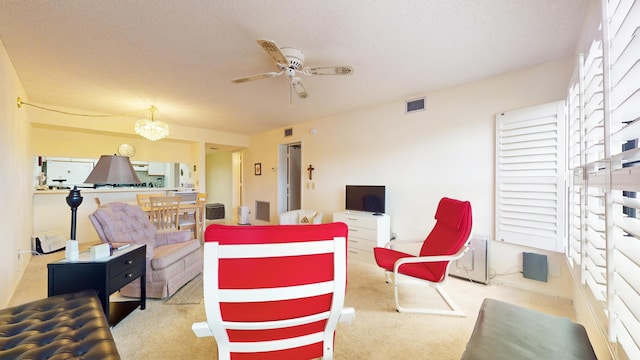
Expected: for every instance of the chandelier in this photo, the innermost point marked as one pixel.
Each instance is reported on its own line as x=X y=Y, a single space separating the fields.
x=150 y=129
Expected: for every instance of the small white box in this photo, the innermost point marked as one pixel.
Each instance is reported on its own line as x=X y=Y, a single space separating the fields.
x=100 y=251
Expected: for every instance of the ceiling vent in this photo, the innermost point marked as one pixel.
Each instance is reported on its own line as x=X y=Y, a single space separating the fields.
x=415 y=105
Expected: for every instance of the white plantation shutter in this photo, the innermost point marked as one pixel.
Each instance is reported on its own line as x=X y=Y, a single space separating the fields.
x=594 y=245
x=576 y=192
x=529 y=176
x=606 y=176
x=624 y=81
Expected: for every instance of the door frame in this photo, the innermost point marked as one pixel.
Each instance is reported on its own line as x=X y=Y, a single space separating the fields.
x=283 y=170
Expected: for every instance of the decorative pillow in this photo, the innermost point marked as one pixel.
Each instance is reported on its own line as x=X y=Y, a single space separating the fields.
x=306 y=216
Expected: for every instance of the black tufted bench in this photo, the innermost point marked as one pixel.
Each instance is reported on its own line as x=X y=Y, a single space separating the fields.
x=59 y=327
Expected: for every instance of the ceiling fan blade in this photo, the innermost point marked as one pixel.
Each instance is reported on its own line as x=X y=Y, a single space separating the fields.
x=274 y=51
x=255 y=77
x=297 y=86
x=328 y=70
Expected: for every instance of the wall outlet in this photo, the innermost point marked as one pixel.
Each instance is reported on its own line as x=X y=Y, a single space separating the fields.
x=20 y=252
x=554 y=268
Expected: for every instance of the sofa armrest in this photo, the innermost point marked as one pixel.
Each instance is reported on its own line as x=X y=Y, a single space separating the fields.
x=172 y=237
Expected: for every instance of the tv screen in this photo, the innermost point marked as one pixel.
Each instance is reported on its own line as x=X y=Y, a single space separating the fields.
x=369 y=198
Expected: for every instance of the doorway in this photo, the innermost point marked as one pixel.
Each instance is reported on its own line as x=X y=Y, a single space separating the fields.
x=290 y=177
x=237 y=192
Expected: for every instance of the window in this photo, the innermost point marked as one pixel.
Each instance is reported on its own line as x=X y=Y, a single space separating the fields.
x=603 y=157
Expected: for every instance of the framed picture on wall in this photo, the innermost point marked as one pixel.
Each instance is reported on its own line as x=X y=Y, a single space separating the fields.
x=257 y=169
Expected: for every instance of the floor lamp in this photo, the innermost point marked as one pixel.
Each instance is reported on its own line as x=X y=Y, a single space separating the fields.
x=110 y=170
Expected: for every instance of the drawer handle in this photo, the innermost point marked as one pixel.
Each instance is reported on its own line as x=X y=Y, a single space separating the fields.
x=353 y=230
x=353 y=219
x=129 y=275
x=129 y=262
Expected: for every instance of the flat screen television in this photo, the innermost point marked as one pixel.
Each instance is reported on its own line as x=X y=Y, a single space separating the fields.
x=369 y=198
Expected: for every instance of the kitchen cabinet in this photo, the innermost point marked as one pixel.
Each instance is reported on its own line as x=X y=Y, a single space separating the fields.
x=72 y=172
x=156 y=168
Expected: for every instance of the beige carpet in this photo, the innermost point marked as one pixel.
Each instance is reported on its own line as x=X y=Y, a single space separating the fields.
x=190 y=293
x=377 y=332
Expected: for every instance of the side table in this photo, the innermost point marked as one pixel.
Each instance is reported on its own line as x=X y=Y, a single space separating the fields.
x=105 y=275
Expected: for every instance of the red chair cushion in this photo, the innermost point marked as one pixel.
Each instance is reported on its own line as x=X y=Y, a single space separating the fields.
x=451 y=213
x=386 y=259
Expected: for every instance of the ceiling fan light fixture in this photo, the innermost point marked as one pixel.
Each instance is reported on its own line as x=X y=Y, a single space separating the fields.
x=294 y=57
x=150 y=129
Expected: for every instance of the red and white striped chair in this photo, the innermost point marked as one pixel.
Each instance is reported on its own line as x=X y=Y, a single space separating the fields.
x=274 y=292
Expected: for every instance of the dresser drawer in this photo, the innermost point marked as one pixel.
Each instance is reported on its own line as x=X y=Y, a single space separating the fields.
x=368 y=222
x=125 y=277
x=361 y=244
x=126 y=262
x=363 y=233
x=366 y=231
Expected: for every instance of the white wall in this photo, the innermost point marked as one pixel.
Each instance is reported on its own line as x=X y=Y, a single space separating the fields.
x=447 y=150
x=219 y=180
x=15 y=180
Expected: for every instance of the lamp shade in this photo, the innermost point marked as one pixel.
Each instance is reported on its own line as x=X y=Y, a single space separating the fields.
x=113 y=169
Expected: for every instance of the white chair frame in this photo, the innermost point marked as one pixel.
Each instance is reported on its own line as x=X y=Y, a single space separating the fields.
x=215 y=326
x=399 y=278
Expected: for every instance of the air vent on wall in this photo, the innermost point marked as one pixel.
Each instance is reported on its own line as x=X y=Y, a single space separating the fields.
x=415 y=105
x=288 y=132
x=262 y=211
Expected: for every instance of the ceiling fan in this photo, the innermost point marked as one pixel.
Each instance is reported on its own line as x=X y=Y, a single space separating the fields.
x=289 y=61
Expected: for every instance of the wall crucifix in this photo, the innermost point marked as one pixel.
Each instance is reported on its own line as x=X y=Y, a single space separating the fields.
x=310 y=170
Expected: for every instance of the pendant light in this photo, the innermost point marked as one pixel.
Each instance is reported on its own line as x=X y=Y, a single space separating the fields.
x=151 y=129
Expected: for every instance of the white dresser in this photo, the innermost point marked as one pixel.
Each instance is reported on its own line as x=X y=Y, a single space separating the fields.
x=366 y=231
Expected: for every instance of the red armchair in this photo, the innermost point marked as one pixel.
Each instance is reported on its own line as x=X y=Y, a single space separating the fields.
x=274 y=292
x=446 y=242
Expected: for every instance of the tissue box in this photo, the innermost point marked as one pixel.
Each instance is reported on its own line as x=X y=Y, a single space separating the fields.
x=100 y=251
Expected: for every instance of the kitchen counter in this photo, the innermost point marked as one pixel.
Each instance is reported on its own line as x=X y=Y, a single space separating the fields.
x=114 y=189
x=51 y=212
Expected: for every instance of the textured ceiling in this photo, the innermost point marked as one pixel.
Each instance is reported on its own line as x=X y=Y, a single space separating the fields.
x=115 y=56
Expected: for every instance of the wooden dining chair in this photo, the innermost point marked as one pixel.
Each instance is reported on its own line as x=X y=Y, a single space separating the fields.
x=144 y=199
x=164 y=212
x=194 y=220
